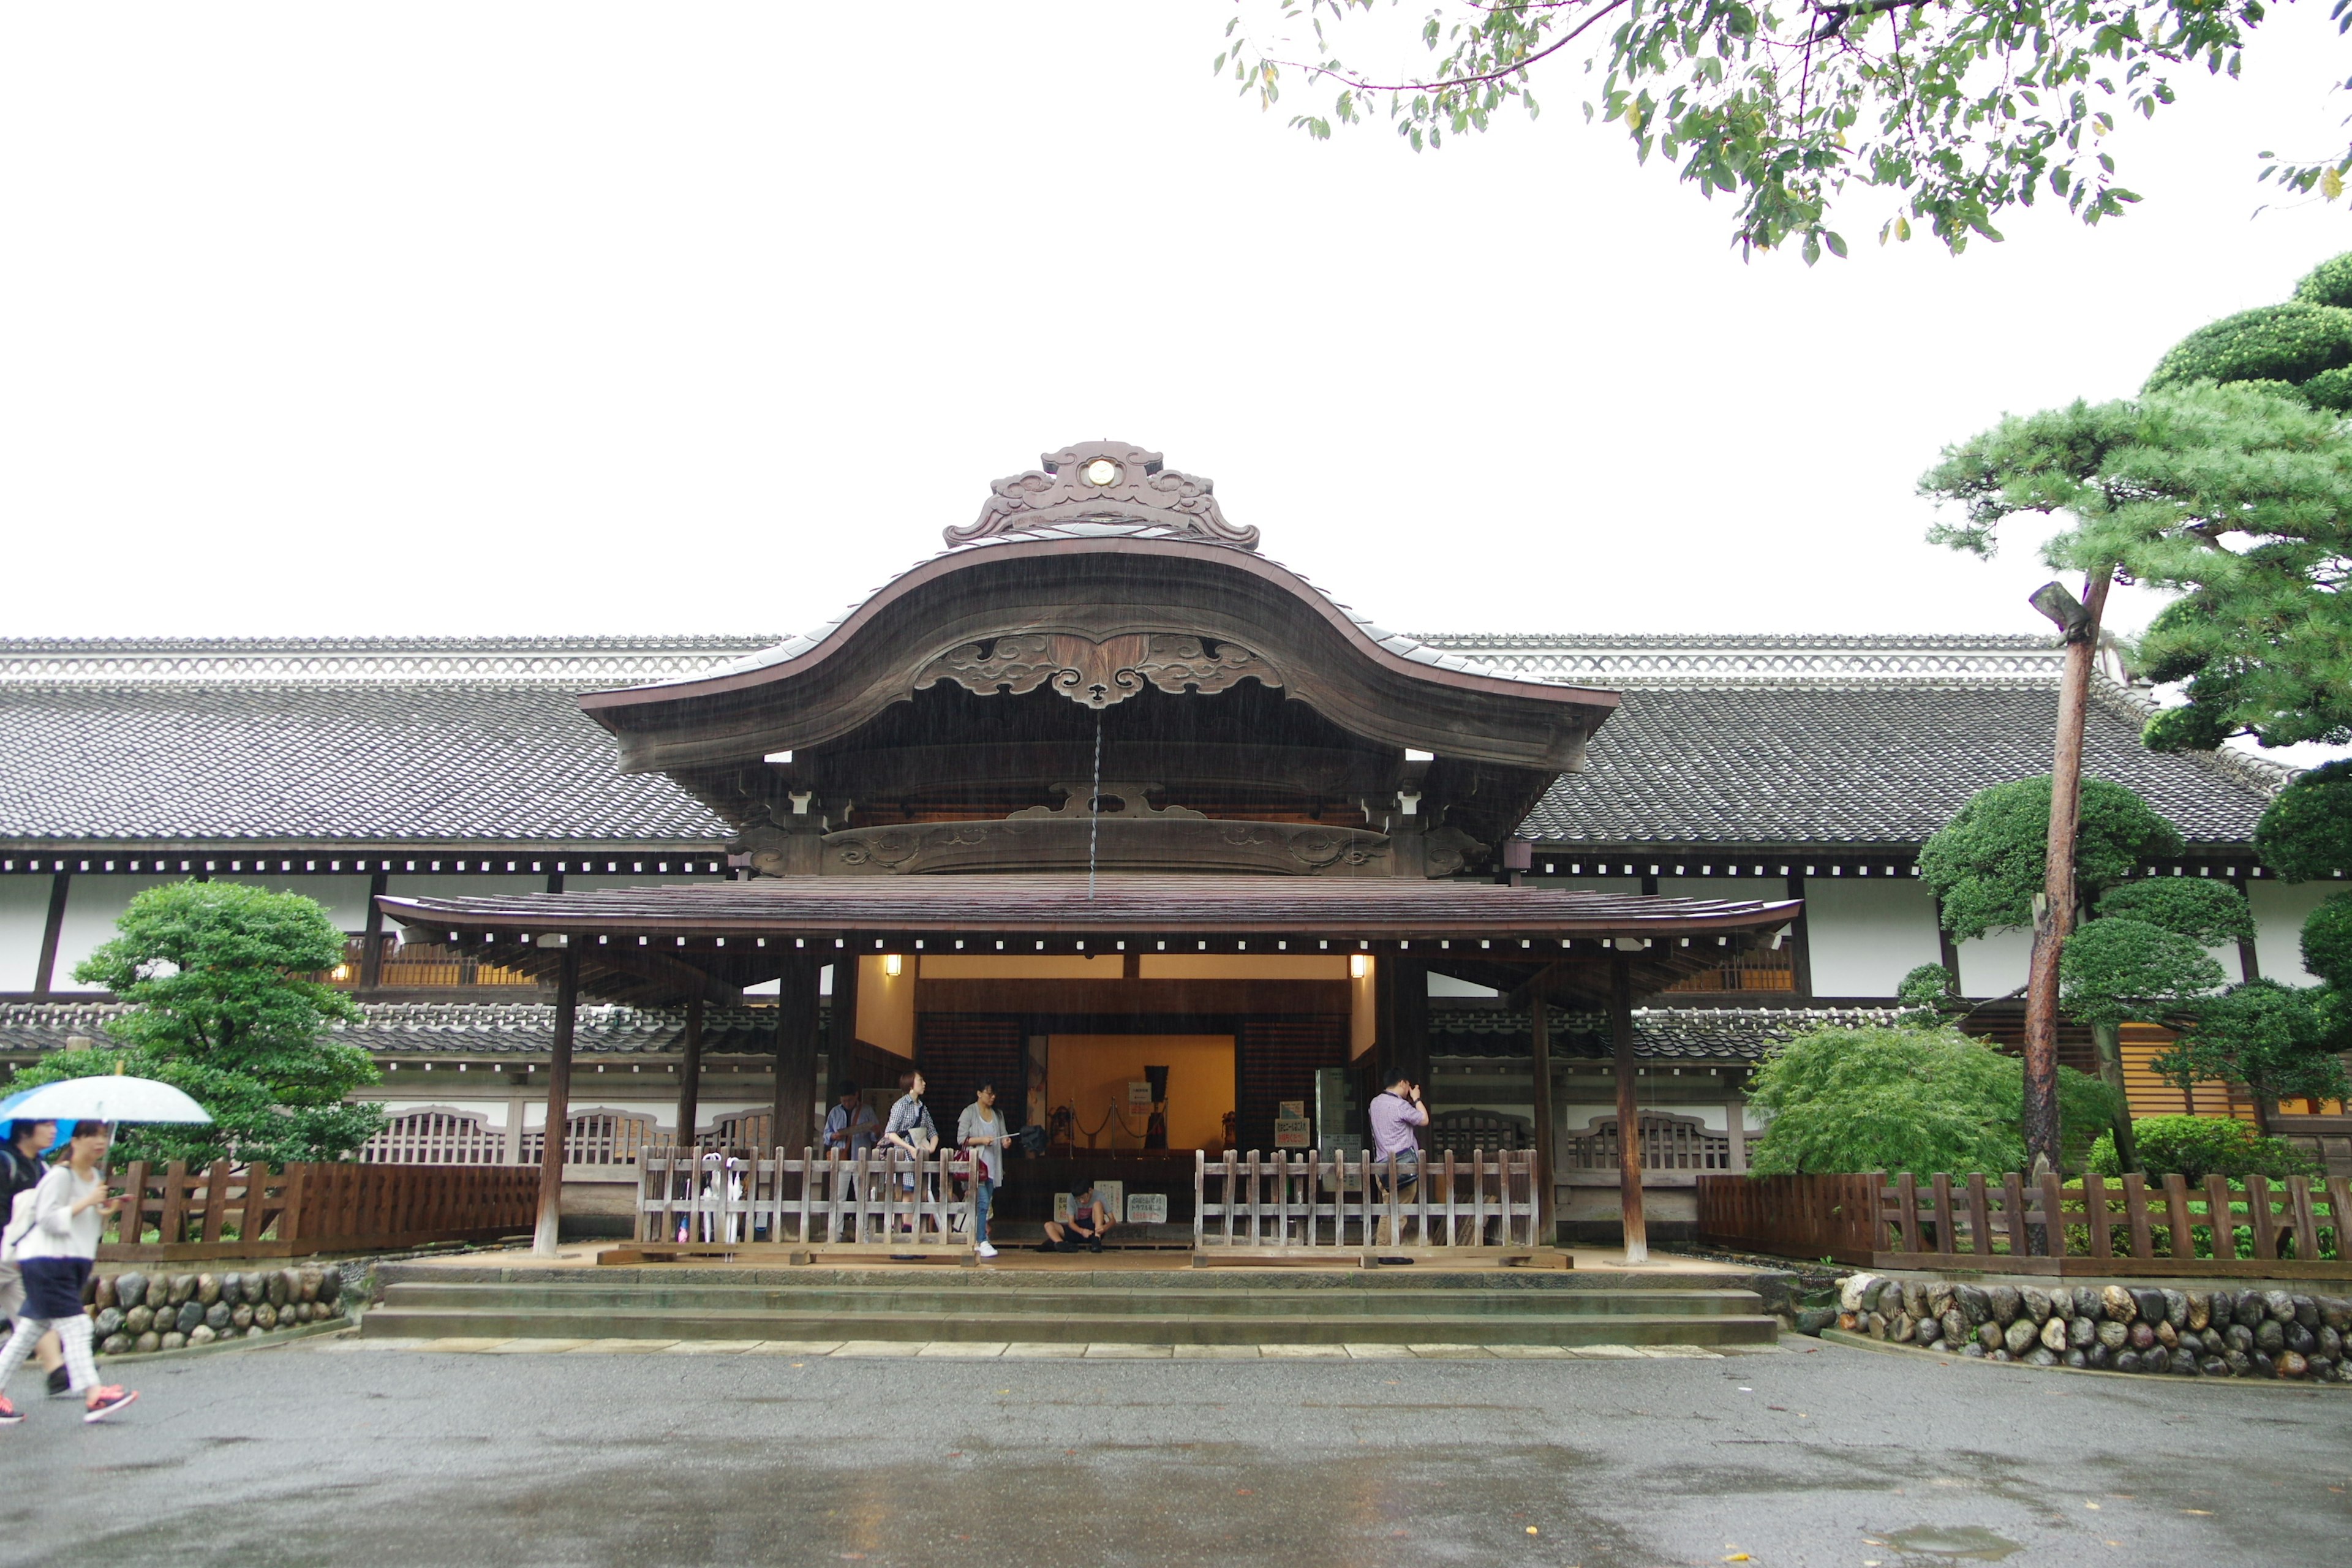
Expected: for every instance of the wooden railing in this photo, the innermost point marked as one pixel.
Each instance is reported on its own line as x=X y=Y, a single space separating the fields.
x=704 y=1203
x=178 y=1215
x=1314 y=1204
x=1668 y=1144
x=2008 y=1224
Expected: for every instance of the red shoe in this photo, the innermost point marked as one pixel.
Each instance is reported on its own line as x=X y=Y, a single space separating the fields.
x=9 y=1414
x=105 y=1402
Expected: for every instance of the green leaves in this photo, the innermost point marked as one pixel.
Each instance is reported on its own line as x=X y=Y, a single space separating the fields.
x=1921 y=1100
x=2116 y=969
x=2279 y=1041
x=223 y=1010
x=1959 y=109
x=1986 y=865
x=2236 y=496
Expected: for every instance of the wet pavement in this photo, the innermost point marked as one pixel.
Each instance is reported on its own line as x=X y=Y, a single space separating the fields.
x=342 y=1451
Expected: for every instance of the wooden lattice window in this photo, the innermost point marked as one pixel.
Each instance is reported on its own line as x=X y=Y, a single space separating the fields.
x=595 y=1137
x=1460 y=1131
x=1668 y=1144
x=436 y=1138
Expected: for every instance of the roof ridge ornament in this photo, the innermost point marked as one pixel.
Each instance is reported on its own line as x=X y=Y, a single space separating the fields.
x=1103 y=482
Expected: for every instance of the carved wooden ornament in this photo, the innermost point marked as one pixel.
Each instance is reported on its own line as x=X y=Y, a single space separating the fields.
x=1103 y=482
x=1096 y=674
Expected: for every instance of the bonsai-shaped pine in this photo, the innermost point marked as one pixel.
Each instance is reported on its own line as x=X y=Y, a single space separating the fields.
x=2278 y=1040
x=1988 y=865
x=1893 y=1099
x=222 y=1009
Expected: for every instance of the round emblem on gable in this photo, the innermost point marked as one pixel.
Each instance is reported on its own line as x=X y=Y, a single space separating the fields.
x=1101 y=472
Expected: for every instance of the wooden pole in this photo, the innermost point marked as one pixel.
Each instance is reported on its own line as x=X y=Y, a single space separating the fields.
x=1539 y=1041
x=1629 y=1113
x=2054 y=920
x=841 y=1038
x=559 y=1104
x=689 y=1075
x=795 y=1102
x=371 y=936
x=45 y=970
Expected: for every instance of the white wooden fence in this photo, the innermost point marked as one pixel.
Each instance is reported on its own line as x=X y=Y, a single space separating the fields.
x=886 y=1203
x=1312 y=1204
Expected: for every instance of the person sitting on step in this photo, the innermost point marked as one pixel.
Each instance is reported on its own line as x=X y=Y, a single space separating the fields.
x=1088 y=1223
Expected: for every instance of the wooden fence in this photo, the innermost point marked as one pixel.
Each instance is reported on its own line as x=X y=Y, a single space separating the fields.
x=177 y=1215
x=1310 y=1204
x=692 y=1203
x=2013 y=1224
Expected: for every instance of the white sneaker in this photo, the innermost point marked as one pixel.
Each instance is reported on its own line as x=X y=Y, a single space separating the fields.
x=984 y=1250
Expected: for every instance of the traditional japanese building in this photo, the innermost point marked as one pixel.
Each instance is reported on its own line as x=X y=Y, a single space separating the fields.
x=1099 y=804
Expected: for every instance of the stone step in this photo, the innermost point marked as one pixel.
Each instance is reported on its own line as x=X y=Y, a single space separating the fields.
x=976 y=1324
x=920 y=1298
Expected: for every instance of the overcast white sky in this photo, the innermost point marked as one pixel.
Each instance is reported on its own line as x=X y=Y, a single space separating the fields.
x=466 y=317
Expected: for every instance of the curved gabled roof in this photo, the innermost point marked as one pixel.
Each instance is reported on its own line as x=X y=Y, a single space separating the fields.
x=1099 y=579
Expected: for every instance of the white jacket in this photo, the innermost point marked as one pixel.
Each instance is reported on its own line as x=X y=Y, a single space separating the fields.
x=57 y=1232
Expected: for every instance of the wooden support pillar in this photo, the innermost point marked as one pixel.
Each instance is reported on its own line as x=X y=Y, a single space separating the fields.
x=559 y=1105
x=1801 y=946
x=2250 y=967
x=372 y=938
x=1629 y=1112
x=841 y=1036
x=1540 y=1038
x=1401 y=1008
x=45 y=971
x=795 y=1104
x=1735 y=1121
x=689 y=1075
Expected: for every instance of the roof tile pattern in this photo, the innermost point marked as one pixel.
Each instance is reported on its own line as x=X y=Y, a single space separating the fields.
x=496 y=761
x=1660 y=1034
x=1864 y=763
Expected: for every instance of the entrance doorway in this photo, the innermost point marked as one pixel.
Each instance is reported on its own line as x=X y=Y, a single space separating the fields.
x=1095 y=1075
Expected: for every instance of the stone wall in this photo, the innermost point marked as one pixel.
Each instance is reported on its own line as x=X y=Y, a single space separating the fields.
x=2109 y=1328
x=139 y=1312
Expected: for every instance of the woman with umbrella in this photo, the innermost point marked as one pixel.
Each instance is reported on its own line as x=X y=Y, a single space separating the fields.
x=55 y=1243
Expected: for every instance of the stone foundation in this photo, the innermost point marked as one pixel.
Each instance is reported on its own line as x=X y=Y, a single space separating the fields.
x=2109 y=1328
x=136 y=1312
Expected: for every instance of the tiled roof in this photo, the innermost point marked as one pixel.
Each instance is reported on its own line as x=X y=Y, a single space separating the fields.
x=449 y=1028
x=1776 y=741
x=487 y=758
x=1788 y=741
x=1660 y=1034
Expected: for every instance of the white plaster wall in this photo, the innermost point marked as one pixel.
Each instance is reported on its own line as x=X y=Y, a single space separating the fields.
x=1439 y=985
x=1995 y=965
x=91 y=909
x=345 y=897
x=24 y=912
x=2280 y=909
x=1867 y=932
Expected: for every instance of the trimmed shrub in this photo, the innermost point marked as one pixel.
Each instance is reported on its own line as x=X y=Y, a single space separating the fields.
x=2291 y=343
x=2198 y=1146
x=2305 y=832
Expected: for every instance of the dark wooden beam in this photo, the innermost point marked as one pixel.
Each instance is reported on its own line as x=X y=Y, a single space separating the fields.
x=796 y=1041
x=689 y=1075
x=372 y=938
x=44 y=971
x=1629 y=1114
x=559 y=1107
x=1540 y=1038
x=1400 y=1004
x=1801 y=943
x=841 y=1038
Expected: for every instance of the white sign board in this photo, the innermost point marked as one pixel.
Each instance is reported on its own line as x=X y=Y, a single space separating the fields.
x=1293 y=1132
x=1138 y=1092
x=1147 y=1209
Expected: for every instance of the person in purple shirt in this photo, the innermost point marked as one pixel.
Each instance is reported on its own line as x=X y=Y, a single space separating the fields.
x=1394 y=1113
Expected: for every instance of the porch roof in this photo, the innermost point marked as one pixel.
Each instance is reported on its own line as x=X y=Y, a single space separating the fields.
x=647 y=943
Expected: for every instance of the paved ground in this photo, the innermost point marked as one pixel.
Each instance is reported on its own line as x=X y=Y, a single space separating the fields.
x=340 y=1451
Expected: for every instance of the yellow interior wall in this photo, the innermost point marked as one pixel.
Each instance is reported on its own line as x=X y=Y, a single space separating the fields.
x=886 y=1007
x=1363 y=1017
x=1242 y=966
x=1001 y=967
x=1091 y=1072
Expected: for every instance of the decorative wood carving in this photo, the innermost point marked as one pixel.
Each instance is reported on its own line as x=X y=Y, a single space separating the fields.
x=1136 y=838
x=1097 y=674
x=1132 y=804
x=1103 y=482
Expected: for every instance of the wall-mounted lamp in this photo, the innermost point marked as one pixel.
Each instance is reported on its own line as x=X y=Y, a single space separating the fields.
x=1359 y=965
x=892 y=964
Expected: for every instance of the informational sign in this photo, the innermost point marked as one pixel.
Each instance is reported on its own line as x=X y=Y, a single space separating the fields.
x=1292 y=1108
x=1147 y=1209
x=1138 y=1092
x=1293 y=1132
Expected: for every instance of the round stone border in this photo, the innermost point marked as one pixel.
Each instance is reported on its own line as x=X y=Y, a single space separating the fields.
x=1853 y=1341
